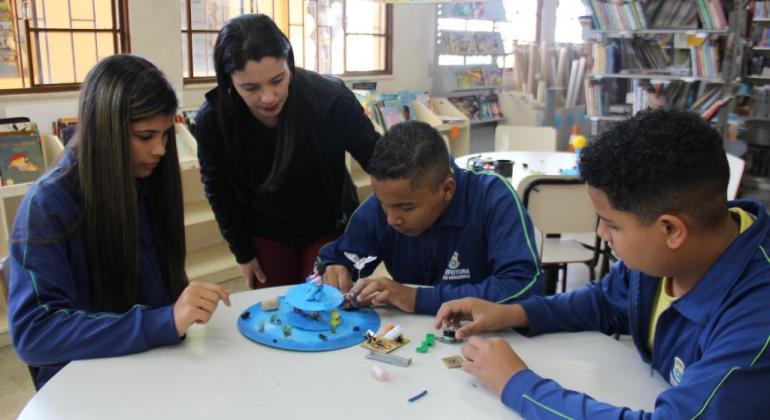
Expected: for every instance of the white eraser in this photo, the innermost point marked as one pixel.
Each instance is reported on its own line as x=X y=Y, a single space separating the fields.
x=380 y=373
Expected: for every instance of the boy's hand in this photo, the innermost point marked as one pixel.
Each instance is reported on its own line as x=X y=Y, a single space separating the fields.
x=484 y=316
x=385 y=290
x=338 y=276
x=491 y=360
x=196 y=304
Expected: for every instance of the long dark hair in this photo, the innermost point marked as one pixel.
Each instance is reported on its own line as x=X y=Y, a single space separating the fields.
x=254 y=37
x=118 y=91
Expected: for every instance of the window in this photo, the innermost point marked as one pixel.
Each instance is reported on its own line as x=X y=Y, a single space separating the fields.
x=52 y=44
x=519 y=25
x=328 y=36
x=568 y=28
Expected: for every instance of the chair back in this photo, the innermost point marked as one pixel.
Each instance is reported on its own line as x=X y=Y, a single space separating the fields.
x=513 y=137
x=736 y=165
x=4 y=275
x=558 y=204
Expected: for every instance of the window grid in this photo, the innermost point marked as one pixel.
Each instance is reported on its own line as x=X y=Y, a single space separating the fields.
x=325 y=58
x=36 y=69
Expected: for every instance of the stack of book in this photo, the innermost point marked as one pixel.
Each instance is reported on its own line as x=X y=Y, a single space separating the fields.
x=704 y=60
x=617 y=16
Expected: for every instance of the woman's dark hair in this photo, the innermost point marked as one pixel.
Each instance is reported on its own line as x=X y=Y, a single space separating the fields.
x=660 y=161
x=118 y=91
x=252 y=37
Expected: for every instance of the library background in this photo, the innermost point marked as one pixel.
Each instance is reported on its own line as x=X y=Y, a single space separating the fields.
x=471 y=69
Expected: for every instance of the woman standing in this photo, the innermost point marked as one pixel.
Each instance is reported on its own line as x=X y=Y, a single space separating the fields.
x=97 y=250
x=272 y=140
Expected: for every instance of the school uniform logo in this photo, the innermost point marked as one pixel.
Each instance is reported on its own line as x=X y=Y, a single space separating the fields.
x=676 y=372
x=453 y=271
x=455 y=261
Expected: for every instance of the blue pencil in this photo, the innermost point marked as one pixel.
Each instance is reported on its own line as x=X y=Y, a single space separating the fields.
x=418 y=396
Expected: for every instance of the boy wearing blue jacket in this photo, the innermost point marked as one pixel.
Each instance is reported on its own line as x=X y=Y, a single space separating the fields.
x=433 y=224
x=692 y=287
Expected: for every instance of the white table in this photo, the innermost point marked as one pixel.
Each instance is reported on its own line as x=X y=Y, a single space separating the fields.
x=546 y=163
x=216 y=373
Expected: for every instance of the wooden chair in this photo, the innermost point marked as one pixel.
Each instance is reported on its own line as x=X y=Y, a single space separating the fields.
x=560 y=205
x=514 y=137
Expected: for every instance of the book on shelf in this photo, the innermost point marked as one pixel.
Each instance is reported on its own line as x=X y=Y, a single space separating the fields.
x=470 y=78
x=764 y=38
x=470 y=43
x=762 y=9
x=388 y=109
x=704 y=60
x=64 y=128
x=479 y=107
x=187 y=117
x=648 y=56
x=617 y=16
x=478 y=77
x=624 y=98
x=21 y=155
x=186 y=146
x=636 y=15
x=760 y=102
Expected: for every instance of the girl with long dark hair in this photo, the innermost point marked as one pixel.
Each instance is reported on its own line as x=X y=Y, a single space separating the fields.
x=98 y=248
x=272 y=140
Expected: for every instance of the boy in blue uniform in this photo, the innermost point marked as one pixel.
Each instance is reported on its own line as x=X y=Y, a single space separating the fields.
x=433 y=224
x=692 y=287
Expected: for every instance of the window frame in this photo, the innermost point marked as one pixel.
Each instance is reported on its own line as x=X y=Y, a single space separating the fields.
x=189 y=79
x=120 y=40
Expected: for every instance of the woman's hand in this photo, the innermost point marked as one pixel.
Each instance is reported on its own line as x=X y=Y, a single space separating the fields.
x=252 y=273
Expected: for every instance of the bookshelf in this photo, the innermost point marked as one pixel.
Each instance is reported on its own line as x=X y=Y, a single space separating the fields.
x=754 y=112
x=467 y=58
x=679 y=54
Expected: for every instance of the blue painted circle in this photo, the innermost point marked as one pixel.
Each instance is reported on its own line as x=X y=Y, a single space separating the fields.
x=257 y=326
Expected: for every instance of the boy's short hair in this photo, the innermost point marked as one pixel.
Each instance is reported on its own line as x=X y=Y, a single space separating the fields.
x=660 y=161
x=411 y=150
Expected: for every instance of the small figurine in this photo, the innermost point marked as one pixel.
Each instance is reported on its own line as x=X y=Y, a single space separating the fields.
x=316 y=282
x=270 y=304
x=286 y=330
x=351 y=300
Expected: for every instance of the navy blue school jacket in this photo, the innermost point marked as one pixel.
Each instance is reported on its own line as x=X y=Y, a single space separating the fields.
x=482 y=246
x=49 y=306
x=711 y=344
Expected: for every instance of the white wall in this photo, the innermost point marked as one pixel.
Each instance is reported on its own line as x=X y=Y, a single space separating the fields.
x=155 y=35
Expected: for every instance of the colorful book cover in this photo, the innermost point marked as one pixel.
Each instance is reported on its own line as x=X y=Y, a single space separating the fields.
x=186 y=146
x=471 y=78
x=493 y=76
x=64 y=128
x=21 y=157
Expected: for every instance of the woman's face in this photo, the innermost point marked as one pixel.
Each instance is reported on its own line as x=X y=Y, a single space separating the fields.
x=264 y=86
x=148 y=143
